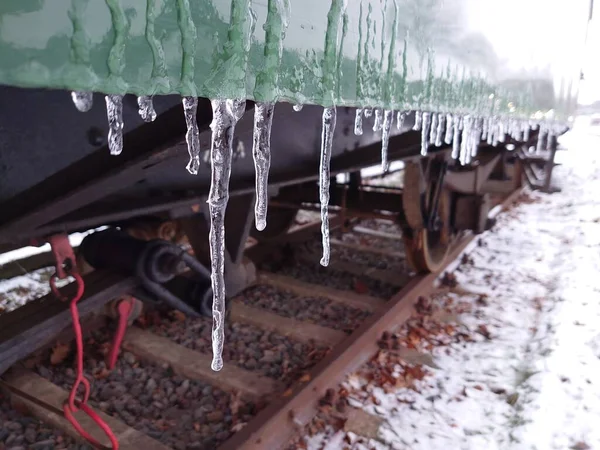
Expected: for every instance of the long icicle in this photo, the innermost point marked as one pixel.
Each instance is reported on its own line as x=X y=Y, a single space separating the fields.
x=329 y=120
x=192 y=136
x=434 y=126
x=83 y=101
x=146 y=108
x=388 y=118
x=425 y=133
x=418 y=120
x=456 y=138
x=377 y=123
x=358 y=122
x=114 y=112
x=261 y=152
x=449 y=129
x=226 y=113
x=400 y=119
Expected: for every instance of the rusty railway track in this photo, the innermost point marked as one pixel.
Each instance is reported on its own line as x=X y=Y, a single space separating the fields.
x=288 y=408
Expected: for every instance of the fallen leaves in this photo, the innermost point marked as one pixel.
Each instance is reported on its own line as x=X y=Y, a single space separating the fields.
x=59 y=353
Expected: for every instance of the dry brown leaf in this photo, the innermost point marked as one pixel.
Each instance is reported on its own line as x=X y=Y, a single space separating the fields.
x=178 y=315
x=59 y=353
x=305 y=378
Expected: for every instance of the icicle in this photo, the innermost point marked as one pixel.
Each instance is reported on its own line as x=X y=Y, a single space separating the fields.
x=368 y=112
x=226 y=113
x=440 y=129
x=503 y=131
x=456 y=138
x=400 y=117
x=526 y=131
x=540 y=141
x=114 y=111
x=418 y=121
x=491 y=131
x=329 y=119
x=477 y=130
x=146 y=108
x=433 y=130
x=465 y=138
x=449 y=129
x=388 y=118
x=192 y=136
x=83 y=100
x=358 y=122
x=378 y=123
x=298 y=107
x=484 y=131
x=425 y=133
x=261 y=152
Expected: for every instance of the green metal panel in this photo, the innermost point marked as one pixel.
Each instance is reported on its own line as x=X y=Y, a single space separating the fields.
x=478 y=56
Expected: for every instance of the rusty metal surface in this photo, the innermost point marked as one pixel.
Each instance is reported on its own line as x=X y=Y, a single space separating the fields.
x=276 y=424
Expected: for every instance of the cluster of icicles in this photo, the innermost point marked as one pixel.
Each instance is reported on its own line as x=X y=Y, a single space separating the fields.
x=463 y=132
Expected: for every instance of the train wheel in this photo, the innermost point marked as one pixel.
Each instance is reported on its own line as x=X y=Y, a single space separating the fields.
x=279 y=221
x=426 y=244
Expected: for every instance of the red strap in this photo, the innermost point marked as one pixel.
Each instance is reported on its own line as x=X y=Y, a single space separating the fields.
x=72 y=404
x=124 y=308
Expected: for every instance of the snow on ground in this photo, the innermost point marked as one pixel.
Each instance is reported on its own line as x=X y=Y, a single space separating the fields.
x=535 y=284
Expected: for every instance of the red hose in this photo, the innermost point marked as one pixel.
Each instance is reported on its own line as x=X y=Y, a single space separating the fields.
x=72 y=404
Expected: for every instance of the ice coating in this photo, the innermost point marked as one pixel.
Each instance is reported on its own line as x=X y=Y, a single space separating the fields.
x=358 y=122
x=192 y=136
x=456 y=138
x=329 y=120
x=114 y=112
x=441 y=121
x=146 y=108
x=388 y=118
x=418 y=120
x=401 y=116
x=261 y=152
x=298 y=107
x=226 y=113
x=449 y=129
x=540 y=140
x=368 y=112
x=433 y=129
x=425 y=132
x=83 y=101
x=465 y=141
x=378 y=122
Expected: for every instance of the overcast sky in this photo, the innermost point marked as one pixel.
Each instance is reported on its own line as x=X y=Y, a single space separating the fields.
x=590 y=88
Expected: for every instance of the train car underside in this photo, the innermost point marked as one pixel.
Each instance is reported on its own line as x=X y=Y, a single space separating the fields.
x=62 y=179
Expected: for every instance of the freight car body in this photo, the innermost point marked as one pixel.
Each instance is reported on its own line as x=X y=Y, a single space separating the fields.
x=445 y=80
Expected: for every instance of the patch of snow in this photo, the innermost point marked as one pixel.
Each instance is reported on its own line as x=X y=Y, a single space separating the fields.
x=534 y=385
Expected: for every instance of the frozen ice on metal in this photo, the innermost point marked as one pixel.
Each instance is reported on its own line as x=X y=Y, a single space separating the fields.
x=418 y=120
x=440 y=130
x=192 y=136
x=83 y=101
x=358 y=122
x=261 y=152
x=114 y=112
x=449 y=129
x=456 y=138
x=401 y=116
x=226 y=114
x=368 y=112
x=329 y=120
x=425 y=133
x=146 y=108
x=433 y=130
x=378 y=122
x=298 y=107
x=388 y=118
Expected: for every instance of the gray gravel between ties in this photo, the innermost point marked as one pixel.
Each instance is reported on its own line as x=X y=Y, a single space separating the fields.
x=246 y=346
x=19 y=432
x=180 y=413
x=317 y=310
